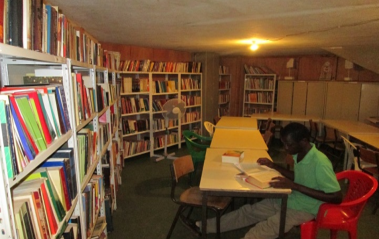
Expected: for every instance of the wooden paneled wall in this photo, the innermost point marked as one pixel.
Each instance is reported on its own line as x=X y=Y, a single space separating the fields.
x=307 y=68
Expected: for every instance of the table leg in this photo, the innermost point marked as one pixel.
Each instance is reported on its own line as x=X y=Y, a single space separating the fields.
x=204 y=215
x=283 y=213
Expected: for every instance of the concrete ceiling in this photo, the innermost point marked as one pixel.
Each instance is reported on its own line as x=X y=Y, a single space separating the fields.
x=293 y=27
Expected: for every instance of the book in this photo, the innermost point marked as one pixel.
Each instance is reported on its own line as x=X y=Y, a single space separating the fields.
x=232 y=156
x=61 y=155
x=256 y=174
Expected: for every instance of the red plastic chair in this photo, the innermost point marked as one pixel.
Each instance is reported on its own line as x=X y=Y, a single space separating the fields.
x=343 y=216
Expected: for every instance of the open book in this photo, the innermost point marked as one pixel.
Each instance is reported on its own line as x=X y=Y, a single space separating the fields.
x=256 y=174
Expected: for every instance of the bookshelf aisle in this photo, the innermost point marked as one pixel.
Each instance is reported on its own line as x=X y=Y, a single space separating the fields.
x=259 y=93
x=56 y=140
x=143 y=95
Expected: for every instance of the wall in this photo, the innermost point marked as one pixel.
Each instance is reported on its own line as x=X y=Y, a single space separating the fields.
x=144 y=53
x=307 y=68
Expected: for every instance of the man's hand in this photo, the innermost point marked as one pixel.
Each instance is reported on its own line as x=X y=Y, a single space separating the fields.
x=265 y=161
x=282 y=182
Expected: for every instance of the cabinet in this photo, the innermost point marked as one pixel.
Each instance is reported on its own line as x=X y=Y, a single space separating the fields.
x=259 y=93
x=79 y=115
x=143 y=95
x=224 y=94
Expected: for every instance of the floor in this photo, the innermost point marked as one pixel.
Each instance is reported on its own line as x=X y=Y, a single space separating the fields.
x=145 y=210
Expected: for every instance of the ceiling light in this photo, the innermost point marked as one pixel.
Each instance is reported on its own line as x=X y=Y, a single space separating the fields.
x=254 y=46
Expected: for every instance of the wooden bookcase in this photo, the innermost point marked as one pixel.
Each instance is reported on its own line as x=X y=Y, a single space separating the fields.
x=143 y=128
x=224 y=94
x=91 y=135
x=259 y=93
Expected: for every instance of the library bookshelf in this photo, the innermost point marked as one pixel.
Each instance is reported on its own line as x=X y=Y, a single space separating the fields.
x=143 y=95
x=224 y=94
x=77 y=158
x=259 y=93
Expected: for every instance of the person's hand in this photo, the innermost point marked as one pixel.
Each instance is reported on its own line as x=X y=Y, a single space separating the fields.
x=281 y=182
x=265 y=161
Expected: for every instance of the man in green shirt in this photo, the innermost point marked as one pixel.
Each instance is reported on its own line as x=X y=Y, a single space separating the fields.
x=313 y=182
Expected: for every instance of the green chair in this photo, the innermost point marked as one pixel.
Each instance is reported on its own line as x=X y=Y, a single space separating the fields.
x=196 y=145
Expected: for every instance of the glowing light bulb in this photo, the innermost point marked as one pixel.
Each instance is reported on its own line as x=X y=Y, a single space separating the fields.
x=254 y=46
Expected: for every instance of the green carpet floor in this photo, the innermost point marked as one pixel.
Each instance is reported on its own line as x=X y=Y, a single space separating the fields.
x=145 y=210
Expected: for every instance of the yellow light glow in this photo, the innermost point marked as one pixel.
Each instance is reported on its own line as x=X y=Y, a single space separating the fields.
x=253 y=40
x=254 y=46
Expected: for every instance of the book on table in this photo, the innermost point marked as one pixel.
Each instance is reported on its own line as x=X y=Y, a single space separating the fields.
x=232 y=156
x=256 y=174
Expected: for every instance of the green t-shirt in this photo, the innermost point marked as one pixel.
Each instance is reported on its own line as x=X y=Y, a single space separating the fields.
x=314 y=171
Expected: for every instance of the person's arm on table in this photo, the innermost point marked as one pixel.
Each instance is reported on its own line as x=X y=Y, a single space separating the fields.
x=287 y=182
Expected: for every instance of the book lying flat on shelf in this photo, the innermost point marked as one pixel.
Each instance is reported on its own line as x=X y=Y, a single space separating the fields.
x=256 y=174
x=232 y=156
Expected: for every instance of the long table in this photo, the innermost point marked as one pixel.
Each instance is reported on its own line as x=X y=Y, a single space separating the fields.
x=370 y=139
x=231 y=122
x=348 y=127
x=218 y=179
x=238 y=139
x=285 y=117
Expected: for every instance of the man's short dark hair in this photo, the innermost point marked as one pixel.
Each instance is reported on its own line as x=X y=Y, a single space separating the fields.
x=296 y=131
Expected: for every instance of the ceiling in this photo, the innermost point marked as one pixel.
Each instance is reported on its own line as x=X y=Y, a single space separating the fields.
x=293 y=27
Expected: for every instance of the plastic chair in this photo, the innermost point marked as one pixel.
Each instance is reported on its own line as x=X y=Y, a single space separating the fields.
x=192 y=197
x=344 y=216
x=196 y=149
x=209 y=127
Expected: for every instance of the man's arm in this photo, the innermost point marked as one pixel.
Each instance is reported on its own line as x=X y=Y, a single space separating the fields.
x=280 y=182
x=285 y=172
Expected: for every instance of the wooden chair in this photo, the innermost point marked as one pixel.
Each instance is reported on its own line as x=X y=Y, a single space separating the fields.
x=267 y=137
x=216 y=119
x=209 y=127
x=313 y=130
x=192 y=196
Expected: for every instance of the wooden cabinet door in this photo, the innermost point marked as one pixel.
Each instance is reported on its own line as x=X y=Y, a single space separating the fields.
x=299 y=98
x=369 y=104
x=284 y=100
x=315 y=98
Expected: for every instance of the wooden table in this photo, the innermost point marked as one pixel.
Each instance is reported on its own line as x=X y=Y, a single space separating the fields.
x=230 y=122
x=370 y=139
x=284 y=117
x=238 y=139
x=219 y=179
x=348 y=127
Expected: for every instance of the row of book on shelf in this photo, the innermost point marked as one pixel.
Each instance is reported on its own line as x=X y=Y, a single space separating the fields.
x=224 y=85
x=43 y=27
x=32 y=118
x=223 y=70
x=130 y=126
x=134 y=105
x=257 y=70
x=159 y=66
x=130 y=85
x=261 y=97
x=41 y=203
x=259 y=83
x=223 y=98
x=249 y=109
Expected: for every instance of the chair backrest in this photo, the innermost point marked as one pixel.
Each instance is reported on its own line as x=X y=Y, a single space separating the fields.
x=330 y=134
x=361 y=187
x=369 y=157
x=350 y=148
x=209 y=127
x=196 y=149
x=180 y=167
x=216 y=119
x=267 y=137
